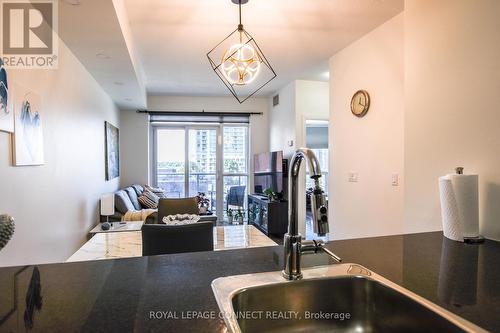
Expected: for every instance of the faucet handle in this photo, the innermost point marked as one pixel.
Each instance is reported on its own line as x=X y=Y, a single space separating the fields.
x=335 y=257
x=315 y=246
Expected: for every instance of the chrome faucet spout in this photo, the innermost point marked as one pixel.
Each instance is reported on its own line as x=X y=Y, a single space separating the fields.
x=293 y=246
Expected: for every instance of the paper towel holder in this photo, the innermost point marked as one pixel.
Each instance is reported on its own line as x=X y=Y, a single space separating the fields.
x=474 y=240
x=469 y=240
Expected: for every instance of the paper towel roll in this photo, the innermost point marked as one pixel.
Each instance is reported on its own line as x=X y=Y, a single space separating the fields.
x=459 y=206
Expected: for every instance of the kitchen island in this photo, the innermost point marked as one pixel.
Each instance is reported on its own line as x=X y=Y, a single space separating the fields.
x=172 y=293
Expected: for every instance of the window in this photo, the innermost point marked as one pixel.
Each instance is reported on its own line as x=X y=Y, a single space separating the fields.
x=171 y=167
x=212 y=159
x=235 y=174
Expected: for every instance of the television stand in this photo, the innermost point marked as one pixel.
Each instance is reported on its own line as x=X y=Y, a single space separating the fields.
x=270 y=217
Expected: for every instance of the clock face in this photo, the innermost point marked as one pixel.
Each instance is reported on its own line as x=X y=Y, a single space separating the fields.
x=360 y=103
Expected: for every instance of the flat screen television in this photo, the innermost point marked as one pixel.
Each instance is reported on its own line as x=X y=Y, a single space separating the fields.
x=270 y=172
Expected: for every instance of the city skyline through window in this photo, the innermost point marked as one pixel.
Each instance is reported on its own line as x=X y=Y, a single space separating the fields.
x=212 y=160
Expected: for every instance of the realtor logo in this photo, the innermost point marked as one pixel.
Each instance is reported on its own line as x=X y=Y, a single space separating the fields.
x=29 y=33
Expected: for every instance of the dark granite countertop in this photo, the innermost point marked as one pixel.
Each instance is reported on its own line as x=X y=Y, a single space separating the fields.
x=119 y=295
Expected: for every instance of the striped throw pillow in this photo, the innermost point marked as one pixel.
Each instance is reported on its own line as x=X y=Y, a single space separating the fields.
x=148 y=199
x=160 y=193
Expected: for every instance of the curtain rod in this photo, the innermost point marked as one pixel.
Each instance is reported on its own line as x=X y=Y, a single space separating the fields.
x=200 y=113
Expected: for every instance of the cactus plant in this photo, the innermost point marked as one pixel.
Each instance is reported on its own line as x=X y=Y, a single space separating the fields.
x=6 y=229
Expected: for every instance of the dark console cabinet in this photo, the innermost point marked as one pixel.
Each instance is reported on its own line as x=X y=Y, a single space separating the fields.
x=270 y=217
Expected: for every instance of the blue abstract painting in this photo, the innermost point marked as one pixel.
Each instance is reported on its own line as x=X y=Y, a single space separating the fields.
x=28 y=135
x=6 y=102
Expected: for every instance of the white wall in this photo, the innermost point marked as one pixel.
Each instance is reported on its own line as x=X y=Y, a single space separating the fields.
x=371 y=146
x=56 y=204
x=134 y=148
x=282 y=121
x=299 y=100
x=452 y=118
x=312 y=103
x=135 y=134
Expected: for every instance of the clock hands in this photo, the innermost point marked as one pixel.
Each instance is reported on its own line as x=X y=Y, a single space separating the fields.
x=361 y=104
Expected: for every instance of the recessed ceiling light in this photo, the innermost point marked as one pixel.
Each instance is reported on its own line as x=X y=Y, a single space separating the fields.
x=102 y=56
x=326 y=74
x=72 y=2
x=118 y=83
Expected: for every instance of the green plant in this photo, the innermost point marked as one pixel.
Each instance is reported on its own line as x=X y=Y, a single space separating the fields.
x=229 y=212
x=240 y=213
x=270 y=194
x=7 y=227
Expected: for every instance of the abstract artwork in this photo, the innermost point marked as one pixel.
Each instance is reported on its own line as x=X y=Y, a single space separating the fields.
x=112 y=138
x=28 y=136
x=6 y=102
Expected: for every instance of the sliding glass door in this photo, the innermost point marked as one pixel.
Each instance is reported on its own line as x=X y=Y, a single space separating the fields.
x=235 y=169
x=170 y=158
x=202 y=161
x=213 y=159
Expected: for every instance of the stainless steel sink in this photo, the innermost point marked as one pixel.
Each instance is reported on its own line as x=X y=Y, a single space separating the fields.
x=334 y=298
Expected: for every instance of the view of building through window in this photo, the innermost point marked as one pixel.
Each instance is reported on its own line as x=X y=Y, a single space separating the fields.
x=235 y=166
x=198 y=148
x=170 y=155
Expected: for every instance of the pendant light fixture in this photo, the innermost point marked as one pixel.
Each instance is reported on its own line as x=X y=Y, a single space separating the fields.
x=240 y=63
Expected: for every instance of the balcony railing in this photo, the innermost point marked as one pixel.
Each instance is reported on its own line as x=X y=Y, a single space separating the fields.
x=173 y=183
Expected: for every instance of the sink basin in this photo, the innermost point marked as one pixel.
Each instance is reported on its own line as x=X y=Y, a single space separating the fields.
x=335 y=298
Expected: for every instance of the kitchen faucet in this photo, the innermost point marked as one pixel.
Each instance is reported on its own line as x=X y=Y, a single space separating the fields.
x=294 y=246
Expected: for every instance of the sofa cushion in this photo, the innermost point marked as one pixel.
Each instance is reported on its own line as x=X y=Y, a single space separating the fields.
x=148 y=199
x=138 y=189
x=133 y=197
x=122 y=202
x=156 y=190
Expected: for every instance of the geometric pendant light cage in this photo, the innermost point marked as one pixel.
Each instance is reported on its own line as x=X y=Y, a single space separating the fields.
x=240 y=63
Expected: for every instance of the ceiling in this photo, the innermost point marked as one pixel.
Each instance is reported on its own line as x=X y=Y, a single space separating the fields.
x=103 y=45
x=297 y=37
x=139 y=47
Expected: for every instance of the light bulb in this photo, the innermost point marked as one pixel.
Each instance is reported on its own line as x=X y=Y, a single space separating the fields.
x=241 y=64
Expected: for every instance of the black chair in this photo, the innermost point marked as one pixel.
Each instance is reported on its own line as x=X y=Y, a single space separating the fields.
x=164 y=239
x=177 y=206
x=236 y=196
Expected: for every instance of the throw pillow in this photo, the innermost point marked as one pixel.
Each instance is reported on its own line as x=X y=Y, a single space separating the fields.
x=180 y=219
x=156 y=190
x=149 y=200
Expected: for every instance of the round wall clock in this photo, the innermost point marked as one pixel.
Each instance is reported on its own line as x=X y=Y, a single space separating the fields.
x=360 y=103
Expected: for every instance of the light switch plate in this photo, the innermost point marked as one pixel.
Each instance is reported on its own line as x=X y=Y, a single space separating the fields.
x=395 y=179
x=353 y=177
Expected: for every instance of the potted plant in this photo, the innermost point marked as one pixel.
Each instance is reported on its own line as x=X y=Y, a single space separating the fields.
x=230 y=215
x=240 y=214
x=270 y=194
x=203 y=202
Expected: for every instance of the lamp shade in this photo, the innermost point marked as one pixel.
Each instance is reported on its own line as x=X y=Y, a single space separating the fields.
x=108 y=204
